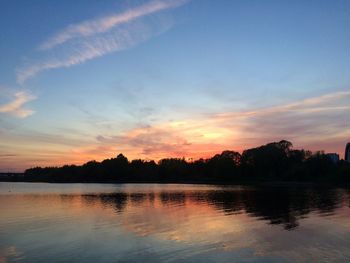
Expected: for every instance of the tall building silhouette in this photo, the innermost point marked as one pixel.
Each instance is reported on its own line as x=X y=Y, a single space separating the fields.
x=347 y=152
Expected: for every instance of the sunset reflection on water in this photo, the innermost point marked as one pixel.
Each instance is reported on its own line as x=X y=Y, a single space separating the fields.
x=160 y=223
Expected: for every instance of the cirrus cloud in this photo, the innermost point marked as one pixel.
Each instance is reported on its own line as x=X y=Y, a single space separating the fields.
x=316 y=123
x=94 y=38
x=15 y=107
x=95 y=26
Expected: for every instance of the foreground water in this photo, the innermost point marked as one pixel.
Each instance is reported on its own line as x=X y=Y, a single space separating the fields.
x=172 y=223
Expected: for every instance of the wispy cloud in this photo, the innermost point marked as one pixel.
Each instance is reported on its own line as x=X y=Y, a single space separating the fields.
x=317 y=123
x=92 y=27
x=94 y=38
x=15 y=107
x=87 y=50
x=326 y=102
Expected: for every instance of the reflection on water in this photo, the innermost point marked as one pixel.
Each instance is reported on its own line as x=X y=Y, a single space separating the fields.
x=161 y=223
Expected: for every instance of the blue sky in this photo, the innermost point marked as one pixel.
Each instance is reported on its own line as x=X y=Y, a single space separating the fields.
x=89 y=79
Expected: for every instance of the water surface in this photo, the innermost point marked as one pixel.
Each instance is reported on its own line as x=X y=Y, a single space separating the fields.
x=172 y=223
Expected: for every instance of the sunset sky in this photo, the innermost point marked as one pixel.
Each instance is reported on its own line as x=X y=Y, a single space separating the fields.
x=88 y=79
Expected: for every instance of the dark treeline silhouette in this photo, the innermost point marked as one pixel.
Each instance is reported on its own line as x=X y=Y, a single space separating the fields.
x=276 y=161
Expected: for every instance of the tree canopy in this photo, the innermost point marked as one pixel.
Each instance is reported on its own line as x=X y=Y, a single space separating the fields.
x=276 y=161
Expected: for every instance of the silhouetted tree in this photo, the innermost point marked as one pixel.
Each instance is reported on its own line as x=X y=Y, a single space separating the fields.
x=224 y=165
x=273 y=161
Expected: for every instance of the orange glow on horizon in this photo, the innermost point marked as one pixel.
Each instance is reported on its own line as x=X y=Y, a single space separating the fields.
x=192 y=138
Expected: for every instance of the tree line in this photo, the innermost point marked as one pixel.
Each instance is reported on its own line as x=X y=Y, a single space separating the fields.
x=276 y=161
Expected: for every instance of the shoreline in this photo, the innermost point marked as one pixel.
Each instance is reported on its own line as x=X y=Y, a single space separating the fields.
x=219 y=183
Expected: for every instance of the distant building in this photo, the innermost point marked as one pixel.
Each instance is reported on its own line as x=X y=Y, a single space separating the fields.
x=334 y=157
x=347 y=152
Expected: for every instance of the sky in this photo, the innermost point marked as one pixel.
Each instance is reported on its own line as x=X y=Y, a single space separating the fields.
x=89 y=79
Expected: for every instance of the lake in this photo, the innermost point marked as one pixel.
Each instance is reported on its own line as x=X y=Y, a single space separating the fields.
x=172 y=223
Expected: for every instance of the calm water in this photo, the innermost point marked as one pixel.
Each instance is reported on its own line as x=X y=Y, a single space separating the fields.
x=172 y=223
